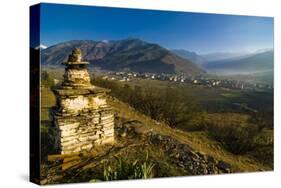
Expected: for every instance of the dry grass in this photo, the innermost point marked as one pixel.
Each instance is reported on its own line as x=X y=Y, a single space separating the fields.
x=199 y=141
x=48 y=100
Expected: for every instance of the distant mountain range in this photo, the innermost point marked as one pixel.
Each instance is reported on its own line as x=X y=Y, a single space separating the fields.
x=251 y=63
x=192 y=56
x=217 y=56
x=129 y=54
x=232 y=63
x=204 y=58
x=140 y=56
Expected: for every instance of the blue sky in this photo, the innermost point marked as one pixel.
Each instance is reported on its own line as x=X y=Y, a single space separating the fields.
x=202 y=33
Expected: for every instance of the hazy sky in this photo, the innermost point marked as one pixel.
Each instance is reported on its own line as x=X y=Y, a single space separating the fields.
x=202 y=33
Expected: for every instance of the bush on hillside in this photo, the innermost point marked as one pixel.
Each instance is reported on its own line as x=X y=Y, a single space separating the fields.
x=46 y=79
x=264 y=154
x=238 y=139
x=171 y=105
x=263 y=119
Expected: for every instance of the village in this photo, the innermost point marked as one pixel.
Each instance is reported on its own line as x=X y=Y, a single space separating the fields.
x=204 y=80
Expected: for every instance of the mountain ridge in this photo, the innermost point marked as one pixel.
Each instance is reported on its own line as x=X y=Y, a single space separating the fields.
x=257 y=62
x=192 y=56
x=127 y=54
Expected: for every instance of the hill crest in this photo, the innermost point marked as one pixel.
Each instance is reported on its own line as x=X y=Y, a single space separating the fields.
x=128 y=54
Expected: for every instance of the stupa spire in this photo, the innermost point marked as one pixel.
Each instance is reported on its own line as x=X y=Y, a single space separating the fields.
x=75 y=56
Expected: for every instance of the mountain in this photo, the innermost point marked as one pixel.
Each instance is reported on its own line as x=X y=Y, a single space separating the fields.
x=192 y=56
x=222 y=55
x=253 y=63
x=129 y=54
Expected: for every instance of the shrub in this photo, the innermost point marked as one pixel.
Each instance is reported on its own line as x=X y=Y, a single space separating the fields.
x=46 y=79
x=263 y=119
x=264 y=155
x=238 y=139
x=171 y=105
x=198 y=122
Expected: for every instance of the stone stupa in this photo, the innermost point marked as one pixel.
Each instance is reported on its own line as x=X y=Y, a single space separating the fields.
x=82 y=117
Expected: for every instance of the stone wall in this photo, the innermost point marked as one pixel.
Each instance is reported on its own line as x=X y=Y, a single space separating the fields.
x=76 y=133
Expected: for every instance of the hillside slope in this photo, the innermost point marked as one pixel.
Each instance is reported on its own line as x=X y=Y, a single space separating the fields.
x=198 y=141
x=174 y=152
x=129 y=54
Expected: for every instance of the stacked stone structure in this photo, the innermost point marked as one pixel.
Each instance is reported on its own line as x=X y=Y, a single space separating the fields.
x=82 y=117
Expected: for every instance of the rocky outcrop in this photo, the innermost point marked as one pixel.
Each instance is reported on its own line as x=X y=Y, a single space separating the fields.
x=191 y=161
x=182 y=155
